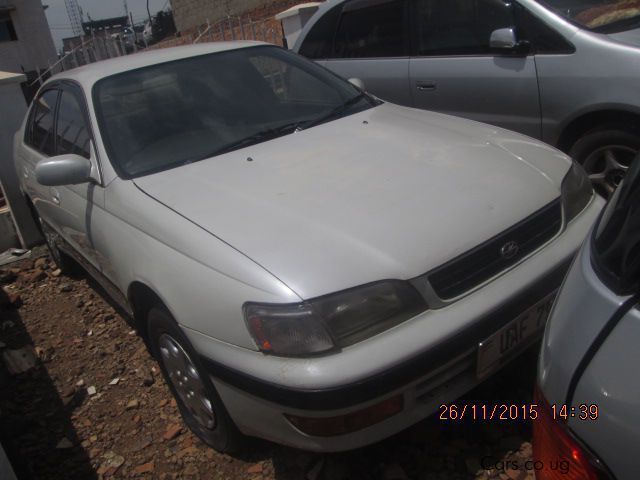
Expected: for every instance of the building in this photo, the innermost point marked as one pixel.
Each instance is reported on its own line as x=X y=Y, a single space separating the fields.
x=105 y=26
x=26 y=50
x=26 y=45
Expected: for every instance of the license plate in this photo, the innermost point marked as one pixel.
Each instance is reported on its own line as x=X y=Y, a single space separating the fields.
x=514 y=337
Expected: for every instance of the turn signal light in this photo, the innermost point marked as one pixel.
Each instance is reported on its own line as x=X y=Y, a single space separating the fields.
x=557 y=452
x=350 y=422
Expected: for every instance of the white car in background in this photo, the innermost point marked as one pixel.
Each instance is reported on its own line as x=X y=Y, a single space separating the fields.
x=309 y=264
x=589 y=387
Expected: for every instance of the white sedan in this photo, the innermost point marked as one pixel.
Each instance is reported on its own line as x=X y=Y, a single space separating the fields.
x=309 y=264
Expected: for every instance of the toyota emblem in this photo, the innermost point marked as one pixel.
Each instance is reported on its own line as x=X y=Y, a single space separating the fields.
x=509 y=250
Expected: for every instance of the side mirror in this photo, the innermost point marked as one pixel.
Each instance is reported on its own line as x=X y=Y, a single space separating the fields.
x=356 y=82
x=504 y=39
x=63 y=170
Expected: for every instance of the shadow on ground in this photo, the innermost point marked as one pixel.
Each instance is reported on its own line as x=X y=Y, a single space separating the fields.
x=35 y=421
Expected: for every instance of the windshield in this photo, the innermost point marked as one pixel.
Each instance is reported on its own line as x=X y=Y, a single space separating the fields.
x=174 y=113
x=605 y=16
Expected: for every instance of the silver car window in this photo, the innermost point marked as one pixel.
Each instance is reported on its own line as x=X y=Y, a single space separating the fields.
x=371 y=28
x=460 y=27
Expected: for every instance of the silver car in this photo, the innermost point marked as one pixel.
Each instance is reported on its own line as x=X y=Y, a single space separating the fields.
x=308 y=264
x=589 y=388
x=564 y=71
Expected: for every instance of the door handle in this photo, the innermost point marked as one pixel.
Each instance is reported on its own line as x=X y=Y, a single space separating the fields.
x=55 y=196
x=25 y=172
x=426 y=86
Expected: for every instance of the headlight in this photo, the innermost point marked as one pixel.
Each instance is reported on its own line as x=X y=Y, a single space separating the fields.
x=332 y=321
x=576 y=191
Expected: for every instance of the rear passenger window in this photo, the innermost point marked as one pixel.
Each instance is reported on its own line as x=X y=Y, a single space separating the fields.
x=318 y=42
x=371 y=28
x=40 y=131
x=72 y=133
x=460 y=27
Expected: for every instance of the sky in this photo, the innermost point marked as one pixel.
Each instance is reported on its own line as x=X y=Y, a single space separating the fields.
x=98 y=9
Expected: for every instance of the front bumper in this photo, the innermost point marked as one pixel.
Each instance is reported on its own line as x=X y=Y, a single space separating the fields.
x=429 y=360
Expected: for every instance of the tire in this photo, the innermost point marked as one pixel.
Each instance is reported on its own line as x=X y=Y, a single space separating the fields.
x=168 y=345
x=606 y=154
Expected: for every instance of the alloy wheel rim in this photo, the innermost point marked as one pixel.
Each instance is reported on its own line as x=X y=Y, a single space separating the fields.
x=607 y=167
x=186 y=380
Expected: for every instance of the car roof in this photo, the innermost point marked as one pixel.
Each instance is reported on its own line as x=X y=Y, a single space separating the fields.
x=87 y=75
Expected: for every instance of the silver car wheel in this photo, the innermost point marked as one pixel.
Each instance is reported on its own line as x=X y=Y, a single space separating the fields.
x=607 y=166
x=187 y=382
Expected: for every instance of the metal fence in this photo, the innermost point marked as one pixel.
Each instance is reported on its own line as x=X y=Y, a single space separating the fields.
x=230 y=28
x=91 y=49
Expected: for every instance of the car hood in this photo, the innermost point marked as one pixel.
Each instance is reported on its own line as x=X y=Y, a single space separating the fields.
x=390 y=192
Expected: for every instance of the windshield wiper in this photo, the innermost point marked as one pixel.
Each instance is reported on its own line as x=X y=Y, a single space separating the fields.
x=336 y=112
x=261 y=136
x=280 y=130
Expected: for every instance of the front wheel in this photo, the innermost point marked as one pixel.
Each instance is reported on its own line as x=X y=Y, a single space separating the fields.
x=606 y=154
x=199 y=403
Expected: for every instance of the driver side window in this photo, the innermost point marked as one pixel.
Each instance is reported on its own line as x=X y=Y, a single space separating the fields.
x=460 y=27
x=370 y=29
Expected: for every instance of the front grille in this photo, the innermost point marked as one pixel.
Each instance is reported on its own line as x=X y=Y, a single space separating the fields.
x=483 y=262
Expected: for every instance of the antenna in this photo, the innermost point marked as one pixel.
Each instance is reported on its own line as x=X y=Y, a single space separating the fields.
x=75 y=16
x=126 y=8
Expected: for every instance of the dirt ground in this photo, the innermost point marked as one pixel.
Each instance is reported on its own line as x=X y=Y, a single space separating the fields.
x=95 y=406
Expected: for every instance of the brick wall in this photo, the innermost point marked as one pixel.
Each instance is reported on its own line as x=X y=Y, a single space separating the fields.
x=255 y=23
x=191 y=13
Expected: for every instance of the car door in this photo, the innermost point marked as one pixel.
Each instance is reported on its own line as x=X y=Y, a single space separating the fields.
x=73 y=206
x=371 y=42
x=454 y=70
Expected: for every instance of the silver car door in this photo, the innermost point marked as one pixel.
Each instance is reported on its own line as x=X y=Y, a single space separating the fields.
x=371 y=43
x=455 y=71
x=73 y=205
